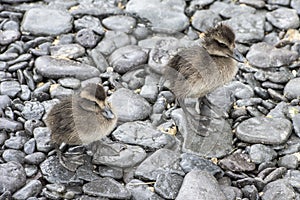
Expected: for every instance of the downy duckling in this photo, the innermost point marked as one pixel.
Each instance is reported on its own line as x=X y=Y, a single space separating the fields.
x=198 y=70
x=81 y=119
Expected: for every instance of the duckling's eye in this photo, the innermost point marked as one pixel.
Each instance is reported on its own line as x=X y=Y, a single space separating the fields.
x=222 y=45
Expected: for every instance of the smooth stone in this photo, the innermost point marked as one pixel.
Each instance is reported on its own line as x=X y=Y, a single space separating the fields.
x=129 y=106
x=164 y=16
x=10 y=88
x=25 y=93
x=100 y=188
x=296 y=5
x=284 y=18
x=288 y=161
x=168 y=185
x=87 y=38
x=35 y=158
x=15 y=142
x=117 y=155
x=292 y=89
x=42 y=136
x=120 y=23
x=90 y=22
x=160 y=162
x=10 y=125
x=50 y=21
x=141 y=191
x=12 y=177
x=9 y=36
x=293 y=178
x=113 y=172
x=263 y=55
x=250 y=192
x=30 y=146
x=99 y=60
x=31 y=189
x=264 y=130
x=191 y=162
x=13 y=155
x=71 y=51
x=59 y=68
x=60 y=92
x=233 y=10
x=5 y=101
x=237 y=162
x=202 y=20
x=72 y=83
x=33 y=110
x=200 y=185
x=270 y=192
x=134 y=79
x=260 y=153
x=126 y=58
x=143 y=134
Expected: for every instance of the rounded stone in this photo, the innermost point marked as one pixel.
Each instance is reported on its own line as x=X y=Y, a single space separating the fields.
x=284 y=18
x=120 y=23
x=292 y=89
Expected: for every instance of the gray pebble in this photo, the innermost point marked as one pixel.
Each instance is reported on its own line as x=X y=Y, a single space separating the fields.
x=296 y=5
x=274 y=175
x=15 y=142
x=31 y=189
x=72 y=83
x=250 y=192
x=87 y=38
x=120 y=23
x=270 y=192
x=98 y=58
x=13 y=155
x=33 y=110
x=5 y=101
x=25 y=93
x=30 y=146
x=141 y=191
x=237 y=162
x=71 y=51
x=10 y=88
x=9 y=36
x=233 y=10
x=31 y=124
x=260 y=153
x=35 y=158
x=10 y=125
x=204 y=19
x=284 y=18
x=288 y=161
x=254 y=3
x=113 y=172
x=168 y=185
x=90 y=22
x=292 y=89
x=42 y=138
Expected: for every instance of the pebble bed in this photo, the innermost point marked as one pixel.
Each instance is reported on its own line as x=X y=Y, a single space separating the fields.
x=50 y=48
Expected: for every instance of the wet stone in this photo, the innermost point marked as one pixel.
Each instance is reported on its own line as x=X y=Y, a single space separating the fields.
x=71 y=51
x=129 y=106
x=141 y=191
x=100 y=188
x=9 y=36
x=59 y=68
x=164 y=16
x=168 y=185
x=31 y=189
x=33 y=110
x=87 y=38
x=126 y=58
x=260 y=153
x=288 y=161
x=86 y=173
x=10 y=125
x=284 y=18
x=263 y=55
x=10 y=88
x=143 y=134
x=264 y=130
x=42 y=138
x=13 y=155
x=12 y=177
x=160 y=162
x=292 y=89
x=90 y=22
x=200 y=185
x=120 y=23
x=51 y=21
x=204 y=19
x=238 y=162
x=270 y=192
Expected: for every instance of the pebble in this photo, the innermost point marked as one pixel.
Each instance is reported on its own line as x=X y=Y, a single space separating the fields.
x=284 y=18
x=202 y=185
x=90 y=22
x=288 y=161
x=10 y=88
x=72 y=83
x=58 y=68
x=9 y=36
x=33 y=110
x=296 y=124
x=113 y=172
x=143 y=134
x=42 y=138
x=99 y=8
x=129 y=106
x=10 y=125
x=232 y=10
x=254 y=3
x=237 y=162
x=35 y=158
x=204 y=19
x=15 y=142
x=264 y=130
x=71 y=51
x=13 y=155
x=99 y=188
x=141 y=191
x=292 y=89
x=260 y=153
x=296 y=5
x=120 y=23
x=168 y=185
x=51 y=21
x=87 y=38
x=31 y=189
x=30 y=146
x=12 y=177
x=271 y=191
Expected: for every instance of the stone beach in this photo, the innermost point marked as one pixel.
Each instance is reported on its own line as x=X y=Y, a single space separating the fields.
x=50 y=48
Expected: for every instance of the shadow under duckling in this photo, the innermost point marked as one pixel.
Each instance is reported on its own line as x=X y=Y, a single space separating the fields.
x=81 y=119
x=196 y=71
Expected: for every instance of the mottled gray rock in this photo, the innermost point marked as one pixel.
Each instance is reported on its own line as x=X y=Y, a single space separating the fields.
x=160 y=162
x=87 y=38
x=13 y=155
x=35 y=158
x=168 y=185
x=254 y=3
x=233 y=10
x=197 y=4
x=98 y=58
x=5 y=101
x=113 y=172
x=59 y=68
x=106 y=187
x=15 y=142
x=90 y=22
x=140 y=191
x=284 y=18
x=292 y=89
x=126 y=58
x=143 y=134
x=264 y=130
x=10 y=125
x=71 y=51
x=165 y=16
x=12 y=177
x=9 y=36
x=271 y=191
x=263 y=55
x=296 y=5
x=50 y=21
x=10 y=88
x=200 y=185
x=33 y=110
x=72 y=83
x=288 y=161
x=117 y=155
x=204 y=19
x=42 y=138
x=237 y=162
x=31 y=189
x=129 y=106
x=260 y=153
x=120 y=23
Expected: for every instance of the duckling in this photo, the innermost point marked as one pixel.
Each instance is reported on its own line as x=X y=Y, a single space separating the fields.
x=81 y=119
x=196 y=71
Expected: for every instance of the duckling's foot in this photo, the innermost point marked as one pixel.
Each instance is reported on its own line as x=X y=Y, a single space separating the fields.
x=71 y=162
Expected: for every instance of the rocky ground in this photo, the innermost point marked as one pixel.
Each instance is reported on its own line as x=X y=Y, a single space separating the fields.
x=50 y=48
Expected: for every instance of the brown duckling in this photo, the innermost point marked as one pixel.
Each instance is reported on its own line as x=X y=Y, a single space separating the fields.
x=81 y=119
x=198 y=70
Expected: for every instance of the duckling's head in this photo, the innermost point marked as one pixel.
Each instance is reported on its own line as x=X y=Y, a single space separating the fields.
x=93 y=98
x=219 y=41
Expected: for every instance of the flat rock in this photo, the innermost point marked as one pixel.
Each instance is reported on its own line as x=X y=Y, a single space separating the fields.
x=168 y=185
x=31 y=189
x=160 y=162
x=12 y=177
x=58 y=68
x=284 y=18
x=165 y=16
x=205 y=19
x=237 y=162
x=200 y=185
x=129 y=106
x=44 y=21
x=254 y=3
x=143 y=134
x=141 y=191
x=292 y=89
x=264 y=130
x=107 y=187
x=263 y=55
x=296 y=5
x=9 y=36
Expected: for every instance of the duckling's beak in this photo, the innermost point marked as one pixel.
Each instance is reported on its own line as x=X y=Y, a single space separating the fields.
x=238 y=56
x=107 y=113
